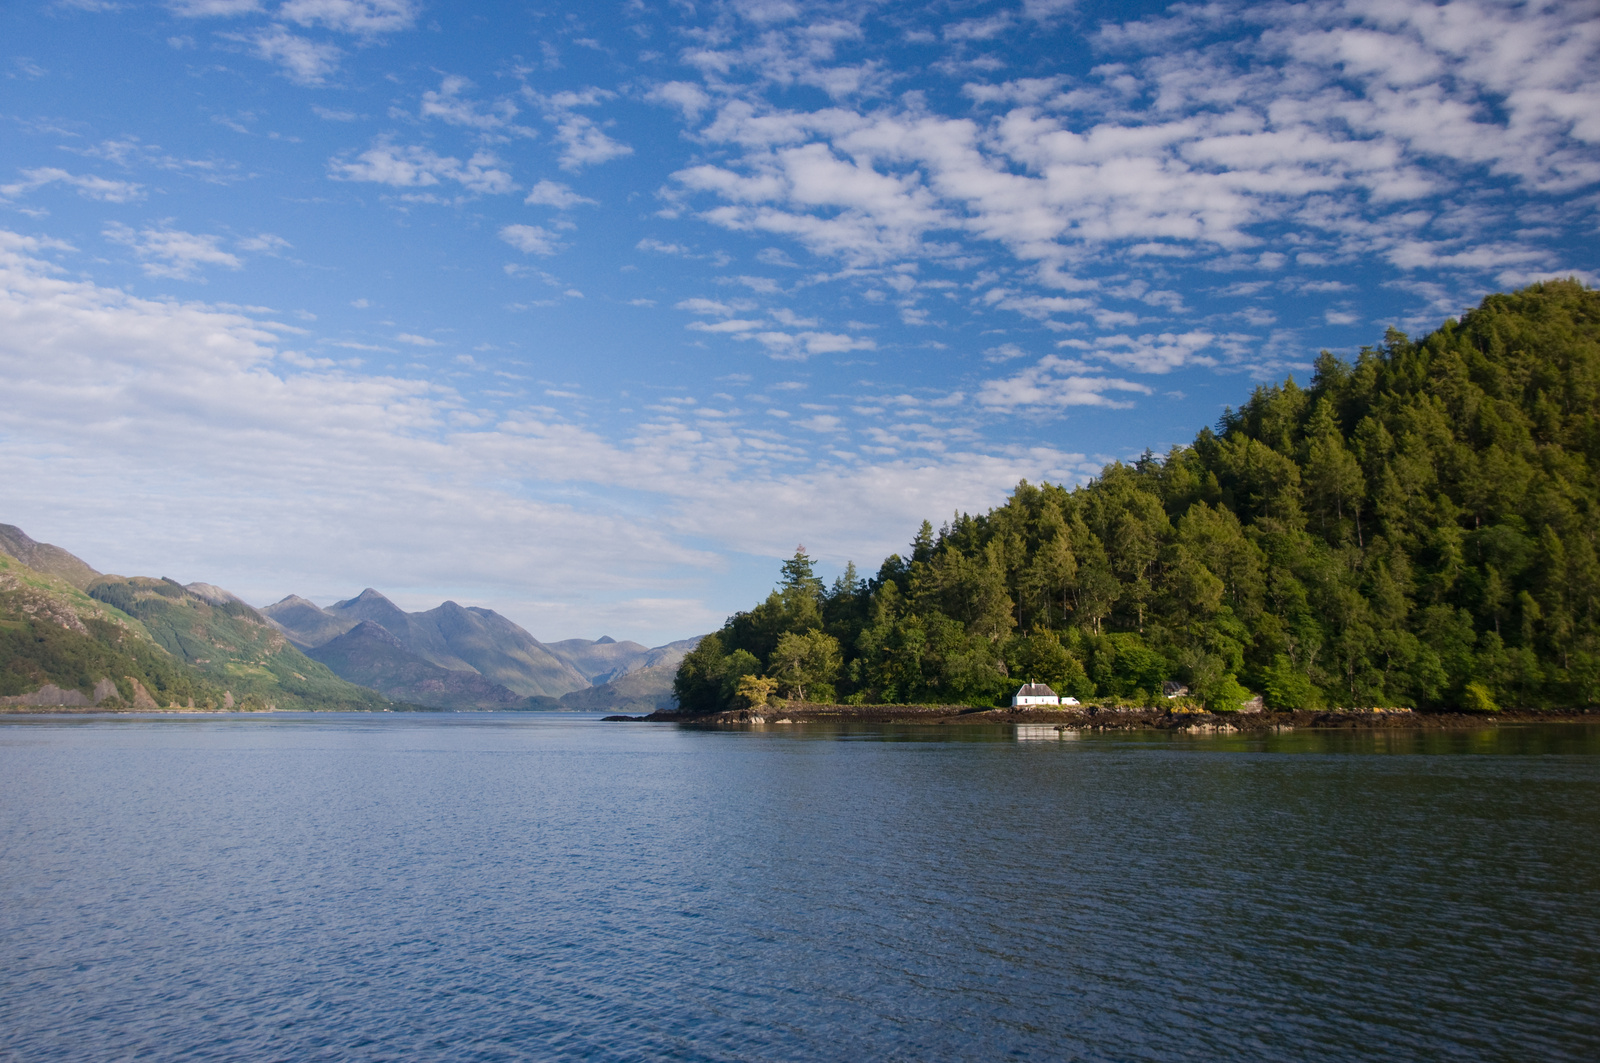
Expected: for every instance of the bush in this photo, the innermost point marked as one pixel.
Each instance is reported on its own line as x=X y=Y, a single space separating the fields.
x=1476 y=698
x=1288 y=689
x=1225 y=695
x=754 y=691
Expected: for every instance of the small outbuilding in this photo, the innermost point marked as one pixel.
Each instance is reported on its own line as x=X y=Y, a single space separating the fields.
x=1034 y=694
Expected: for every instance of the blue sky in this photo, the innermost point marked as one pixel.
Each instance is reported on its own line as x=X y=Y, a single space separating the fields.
x=590 y=312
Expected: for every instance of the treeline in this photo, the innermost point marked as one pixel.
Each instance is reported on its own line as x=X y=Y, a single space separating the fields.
x=1417 y=528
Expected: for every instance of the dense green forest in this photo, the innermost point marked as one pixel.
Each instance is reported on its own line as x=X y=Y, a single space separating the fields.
x=1417 y=528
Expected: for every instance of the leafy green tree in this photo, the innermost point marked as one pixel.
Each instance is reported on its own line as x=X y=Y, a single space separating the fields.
x=697 y=686
x=808 y=662
x=1040 y=657
x=753 y=691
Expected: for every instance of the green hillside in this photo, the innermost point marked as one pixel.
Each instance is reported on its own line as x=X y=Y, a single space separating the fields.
x=52 y=632
x=232 y=646
x=1416 y=528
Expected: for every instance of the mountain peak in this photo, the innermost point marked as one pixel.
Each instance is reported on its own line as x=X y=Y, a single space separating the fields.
x=42 y=557
x=604 y=640
x=213 y=593
x=294 y=599
x=366 y=629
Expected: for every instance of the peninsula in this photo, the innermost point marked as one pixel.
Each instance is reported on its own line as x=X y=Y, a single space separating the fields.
x=1414 y=530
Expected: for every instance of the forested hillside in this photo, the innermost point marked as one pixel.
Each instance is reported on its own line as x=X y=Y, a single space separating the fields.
x=1417 y=528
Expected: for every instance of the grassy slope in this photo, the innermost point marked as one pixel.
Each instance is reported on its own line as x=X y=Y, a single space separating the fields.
x=52 y=632
x=233 y=647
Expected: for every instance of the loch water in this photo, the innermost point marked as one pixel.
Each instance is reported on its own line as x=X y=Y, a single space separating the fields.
x=528 y=887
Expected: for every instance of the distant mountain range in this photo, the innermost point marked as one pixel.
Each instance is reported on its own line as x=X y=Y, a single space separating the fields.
x=457 y=656
x=72 y=636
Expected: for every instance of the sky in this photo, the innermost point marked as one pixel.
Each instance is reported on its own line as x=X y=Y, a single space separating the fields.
x=590 y=313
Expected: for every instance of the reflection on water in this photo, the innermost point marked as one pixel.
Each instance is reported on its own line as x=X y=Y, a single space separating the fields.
x=502 y=886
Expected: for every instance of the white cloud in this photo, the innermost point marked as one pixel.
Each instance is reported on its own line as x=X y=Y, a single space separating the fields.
x=661 y=247
x=1055 y=383
x=172 y=252
x=834 y=206
x=585 y=144
x=732 y=325
x=87 y=185
x=688 y=97
x=555 y=194
x=304 y=61
x=265 y=242
x=212 y=8
x=763 y=285
x=531 y=239
x=825 y=423
x=448 y=104
x=979 y=29
x=797 y=347
x=1005 y=352
x=706 y=306
x=320 y=482
x=1331 y=120
x=411 y=166
x=352 y=16
x=1045 y=10
x=1158 y=353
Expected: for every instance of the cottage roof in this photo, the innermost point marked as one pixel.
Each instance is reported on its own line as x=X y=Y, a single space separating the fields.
x=1035 y=690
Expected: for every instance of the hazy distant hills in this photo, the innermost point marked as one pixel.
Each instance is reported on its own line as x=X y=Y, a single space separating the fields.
x=460 y=657
x=606 y=659
x=72 y=637
x=368 y=654
x=642 y=690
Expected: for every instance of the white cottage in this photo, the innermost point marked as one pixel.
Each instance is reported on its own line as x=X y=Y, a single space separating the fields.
x=1034 y=694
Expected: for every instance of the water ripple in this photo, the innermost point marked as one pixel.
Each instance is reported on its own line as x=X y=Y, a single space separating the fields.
x=515 y=888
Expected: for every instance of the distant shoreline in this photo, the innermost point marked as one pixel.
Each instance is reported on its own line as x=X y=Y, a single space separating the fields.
x=1099 y=718
x=408 y=710
x=1086 y=718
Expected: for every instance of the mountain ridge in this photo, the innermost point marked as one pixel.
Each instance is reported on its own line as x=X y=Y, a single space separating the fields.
x=78 y=638
x=43 y=557
x=369 y=654
x=435 y=650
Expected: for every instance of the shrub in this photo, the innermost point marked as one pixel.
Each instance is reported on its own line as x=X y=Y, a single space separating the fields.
x=1476 y=698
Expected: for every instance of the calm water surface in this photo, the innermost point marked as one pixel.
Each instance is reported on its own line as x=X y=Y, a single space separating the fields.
x=506 y=887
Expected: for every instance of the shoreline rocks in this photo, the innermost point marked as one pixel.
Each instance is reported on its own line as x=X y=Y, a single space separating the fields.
x=1105 y=718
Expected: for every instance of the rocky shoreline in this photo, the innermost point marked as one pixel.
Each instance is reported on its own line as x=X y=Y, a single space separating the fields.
x=1107 y=718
